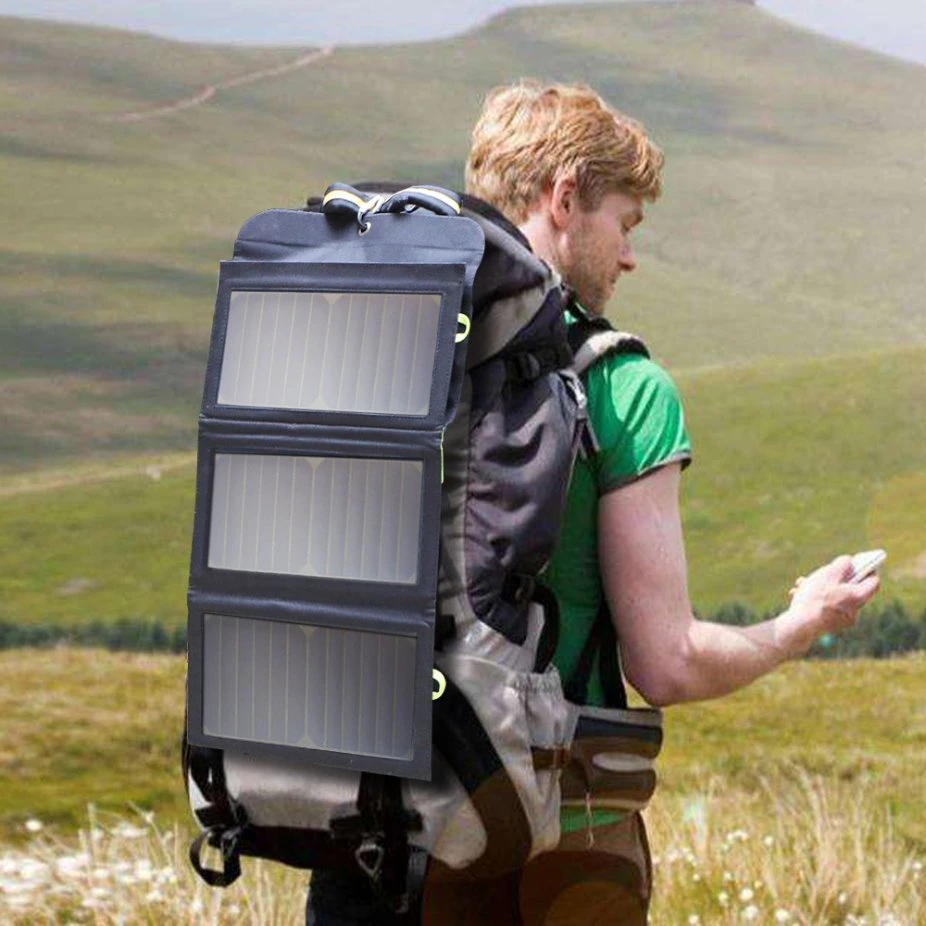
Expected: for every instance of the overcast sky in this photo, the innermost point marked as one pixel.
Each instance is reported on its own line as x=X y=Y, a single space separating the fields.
x=897 y=27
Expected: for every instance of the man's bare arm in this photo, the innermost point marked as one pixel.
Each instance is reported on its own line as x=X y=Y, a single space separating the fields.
x=668 y=655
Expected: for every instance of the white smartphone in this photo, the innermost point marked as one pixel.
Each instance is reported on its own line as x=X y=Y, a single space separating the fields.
x=864 y=564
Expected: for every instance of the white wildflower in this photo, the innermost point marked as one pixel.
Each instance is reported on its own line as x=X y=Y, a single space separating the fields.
x=782 y=916
x=16 y=888
x=154 y=896
x=723 y=898
x=696 y=877
x=768 y=842
x=34 y=826
x=727 y=877
x=32 y=870
x=746 y=894
x=751 y=913
x=694 y=920
x=842 y=899
x=71 y=866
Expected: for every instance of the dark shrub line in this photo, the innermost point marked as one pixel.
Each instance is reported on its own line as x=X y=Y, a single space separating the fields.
x=879 y=632
x=128 y=634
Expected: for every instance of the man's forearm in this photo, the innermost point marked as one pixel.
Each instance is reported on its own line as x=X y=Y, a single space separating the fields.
x=717 y=659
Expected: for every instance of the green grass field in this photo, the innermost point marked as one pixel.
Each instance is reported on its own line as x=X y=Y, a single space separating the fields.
x=103 y=728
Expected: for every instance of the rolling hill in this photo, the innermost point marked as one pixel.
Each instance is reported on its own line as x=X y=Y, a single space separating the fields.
x=781 y=277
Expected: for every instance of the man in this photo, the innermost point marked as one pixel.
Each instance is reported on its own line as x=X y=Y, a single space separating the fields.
x=573 y=174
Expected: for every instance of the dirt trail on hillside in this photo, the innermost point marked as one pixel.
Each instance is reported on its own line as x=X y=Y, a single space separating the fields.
x=209 y=91
x=153 y=468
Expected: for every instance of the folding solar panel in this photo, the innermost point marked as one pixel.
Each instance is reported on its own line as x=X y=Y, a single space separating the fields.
x=335 y=363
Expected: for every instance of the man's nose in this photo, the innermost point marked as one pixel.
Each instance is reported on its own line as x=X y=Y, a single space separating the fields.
x=628 y=260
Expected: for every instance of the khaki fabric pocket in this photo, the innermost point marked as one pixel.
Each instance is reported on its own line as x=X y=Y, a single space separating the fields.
x=528 y=721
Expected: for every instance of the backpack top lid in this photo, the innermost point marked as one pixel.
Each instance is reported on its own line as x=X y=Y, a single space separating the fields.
x=508 y=266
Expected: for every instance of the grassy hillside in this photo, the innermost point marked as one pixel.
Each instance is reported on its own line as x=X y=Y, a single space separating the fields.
x=781 y=277
x=797 y=461
x=794 y=462
x=790 y=223
x=103 y=728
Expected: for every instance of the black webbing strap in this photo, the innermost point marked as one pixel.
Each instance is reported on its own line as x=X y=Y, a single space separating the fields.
x=223 y=821
x=461 y=739
x=549 y=636
x=226 y=841
x=609 y=667
x=445 y=628
x=380 y=829
x=527 y=365
x=601 y=639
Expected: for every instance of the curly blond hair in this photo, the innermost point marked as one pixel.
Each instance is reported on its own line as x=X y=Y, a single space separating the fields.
x=530 y=135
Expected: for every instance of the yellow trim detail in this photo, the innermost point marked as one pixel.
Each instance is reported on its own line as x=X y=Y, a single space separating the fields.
x=343 y=194
x=467 y=324
x=442 y=197
x=438 y=677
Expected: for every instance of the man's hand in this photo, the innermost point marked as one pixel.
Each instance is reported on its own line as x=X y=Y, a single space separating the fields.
x=826 y=601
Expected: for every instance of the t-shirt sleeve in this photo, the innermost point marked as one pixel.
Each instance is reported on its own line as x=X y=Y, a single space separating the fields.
x=637 y=415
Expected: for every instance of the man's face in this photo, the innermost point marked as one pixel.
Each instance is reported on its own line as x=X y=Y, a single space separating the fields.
x=596 y=249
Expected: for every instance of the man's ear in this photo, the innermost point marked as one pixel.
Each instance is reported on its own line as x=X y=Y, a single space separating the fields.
x=564 y=201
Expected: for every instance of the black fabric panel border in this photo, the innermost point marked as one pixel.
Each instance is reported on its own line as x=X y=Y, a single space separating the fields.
x=418 y=766
x=419 y=597
x=447 y=280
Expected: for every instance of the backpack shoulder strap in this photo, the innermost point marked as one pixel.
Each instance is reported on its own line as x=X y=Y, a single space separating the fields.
x=592 y=339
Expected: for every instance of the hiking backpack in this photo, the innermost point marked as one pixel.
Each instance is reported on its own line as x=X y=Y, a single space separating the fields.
x=387 y=432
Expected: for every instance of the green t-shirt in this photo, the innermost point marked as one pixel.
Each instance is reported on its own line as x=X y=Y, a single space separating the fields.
x=636 y=413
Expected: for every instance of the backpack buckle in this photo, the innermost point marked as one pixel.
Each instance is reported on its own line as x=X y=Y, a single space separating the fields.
x=369 y=856
x=368 y=208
